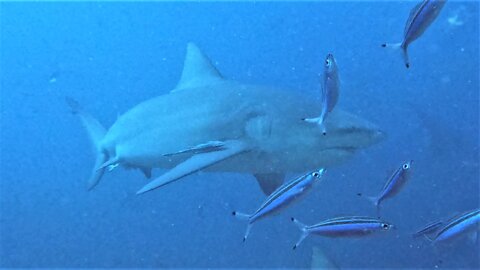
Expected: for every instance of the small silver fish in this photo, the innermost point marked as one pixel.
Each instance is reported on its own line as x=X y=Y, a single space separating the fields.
x=420 y=18
x=393 y=185
x=330 y=92
x=458 y=226
x=342 y=226
x=281 y=197
x=428 y=229
x=201 y=148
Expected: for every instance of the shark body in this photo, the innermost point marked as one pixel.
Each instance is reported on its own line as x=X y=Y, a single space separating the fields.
x=214 y=124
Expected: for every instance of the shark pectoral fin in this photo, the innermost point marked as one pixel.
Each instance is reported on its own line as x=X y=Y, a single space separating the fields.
x=196 y=163
x=269 y=182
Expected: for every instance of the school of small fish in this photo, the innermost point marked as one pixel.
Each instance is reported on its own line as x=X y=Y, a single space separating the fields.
x=421 y=16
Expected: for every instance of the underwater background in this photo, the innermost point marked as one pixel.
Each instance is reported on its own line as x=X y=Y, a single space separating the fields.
x=112 y=56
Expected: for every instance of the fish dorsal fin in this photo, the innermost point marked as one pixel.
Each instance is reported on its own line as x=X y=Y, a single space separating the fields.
x=198 y=70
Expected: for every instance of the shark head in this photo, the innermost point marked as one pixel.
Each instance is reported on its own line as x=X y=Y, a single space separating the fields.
x=296 y=146
x=350 y=132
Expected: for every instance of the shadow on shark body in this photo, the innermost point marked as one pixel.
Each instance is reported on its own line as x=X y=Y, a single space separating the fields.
x=214 y=124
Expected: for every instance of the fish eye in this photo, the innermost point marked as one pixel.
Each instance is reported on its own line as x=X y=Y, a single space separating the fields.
x=315 y=174
x=327 y=62
x=406 y=166
x=385 y=226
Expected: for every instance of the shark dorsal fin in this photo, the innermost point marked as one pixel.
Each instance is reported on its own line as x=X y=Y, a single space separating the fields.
x=197 y=70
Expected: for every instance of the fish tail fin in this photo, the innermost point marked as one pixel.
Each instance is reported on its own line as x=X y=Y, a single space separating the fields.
x=241 y=216
x=406 y=59
x=244 y=216
x=429 y=239
x=323 y=128
x=318 y=121
x=372 y=199
x=95 y=132
x=376 y=202
x=315 y=120
x=403 y=48
x=304 y=230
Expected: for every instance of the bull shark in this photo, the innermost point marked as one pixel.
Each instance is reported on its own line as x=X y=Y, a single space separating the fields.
x=210 y=123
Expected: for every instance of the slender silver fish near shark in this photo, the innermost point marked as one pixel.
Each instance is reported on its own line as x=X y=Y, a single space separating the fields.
x=393 y=185
x=282 y=197
x=330 y=89
x=342 y=227
x=420 y=18
x=460 y=225
x=210 y=123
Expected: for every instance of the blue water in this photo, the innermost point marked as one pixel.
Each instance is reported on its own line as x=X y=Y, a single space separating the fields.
x=112 y=56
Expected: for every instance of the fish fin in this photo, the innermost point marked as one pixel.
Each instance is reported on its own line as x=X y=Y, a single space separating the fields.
x=247 y=231
x=315 y=120
x=304 y=230
x=318 y=121
x=240 y=215
x=429 y=239
x=96 y=174
x=372 y=199
x=406 y=59
x=147 y=172
x=196 y=163
x=403 y=48
x=244 y=216
x=376 y=202
x=95 y=132
x=198 y=70
x=201 y=148
x=269 y=182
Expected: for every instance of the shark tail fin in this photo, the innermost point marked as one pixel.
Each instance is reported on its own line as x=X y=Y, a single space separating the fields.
x=403 y=48
x=95 y=132
x=304 y=230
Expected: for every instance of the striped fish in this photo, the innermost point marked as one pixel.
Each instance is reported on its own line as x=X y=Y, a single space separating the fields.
x=330 y=92
x=428 y=229
x=420 y=18
x=201 y=148
x=393 y=185
x=281 y=197
x=342 y=226
x=458 y=226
